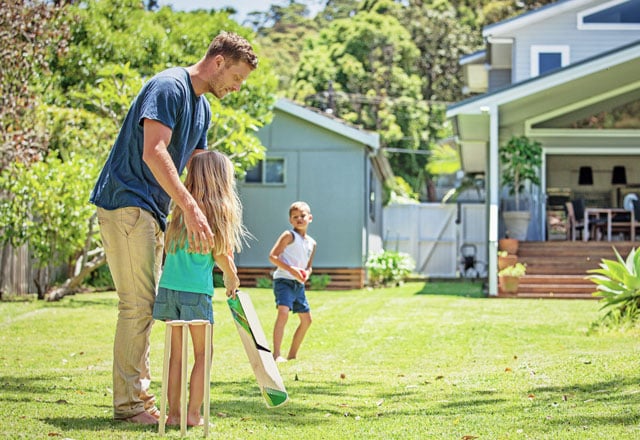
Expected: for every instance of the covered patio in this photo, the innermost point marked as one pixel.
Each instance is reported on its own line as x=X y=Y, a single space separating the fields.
x=563 y=110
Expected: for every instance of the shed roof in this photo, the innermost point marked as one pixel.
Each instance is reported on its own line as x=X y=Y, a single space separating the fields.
x=329 y=122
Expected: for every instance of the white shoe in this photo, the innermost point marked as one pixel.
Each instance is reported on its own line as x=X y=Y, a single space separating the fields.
x=280 y=359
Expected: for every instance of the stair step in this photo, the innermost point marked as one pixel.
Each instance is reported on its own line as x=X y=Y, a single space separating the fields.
x=559 y=269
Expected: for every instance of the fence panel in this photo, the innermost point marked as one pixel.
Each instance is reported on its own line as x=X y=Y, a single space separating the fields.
x=432 y=233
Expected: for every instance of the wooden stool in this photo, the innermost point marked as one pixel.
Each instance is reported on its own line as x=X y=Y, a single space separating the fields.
x=183 y=383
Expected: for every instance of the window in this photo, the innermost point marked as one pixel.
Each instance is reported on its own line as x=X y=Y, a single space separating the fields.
x=547 y=58
x=614 y=15
x=269 y=171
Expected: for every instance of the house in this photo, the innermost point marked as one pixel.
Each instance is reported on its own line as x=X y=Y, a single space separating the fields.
x=335 y=167
x=565 y=75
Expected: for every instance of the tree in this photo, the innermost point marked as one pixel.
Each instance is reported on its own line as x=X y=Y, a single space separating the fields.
x=115 y=45
x=29 y=32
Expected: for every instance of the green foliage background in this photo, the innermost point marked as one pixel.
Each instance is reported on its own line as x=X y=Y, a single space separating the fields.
x=70 y=70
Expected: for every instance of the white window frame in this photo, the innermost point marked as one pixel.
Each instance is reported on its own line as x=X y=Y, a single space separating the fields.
x=604 y=26
x=537 y=49
x=263 y=164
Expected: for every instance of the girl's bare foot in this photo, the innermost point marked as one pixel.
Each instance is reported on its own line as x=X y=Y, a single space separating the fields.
x=196 y=421
x=173 y=421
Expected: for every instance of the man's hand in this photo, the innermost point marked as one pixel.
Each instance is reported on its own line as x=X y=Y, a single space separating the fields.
x=198 y=231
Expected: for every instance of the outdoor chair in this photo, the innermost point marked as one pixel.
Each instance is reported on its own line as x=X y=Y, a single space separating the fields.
x=575 y=221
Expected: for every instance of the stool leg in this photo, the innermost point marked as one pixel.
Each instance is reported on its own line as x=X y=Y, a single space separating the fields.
x=165 y=379
x=183 y=383
x=207 y=378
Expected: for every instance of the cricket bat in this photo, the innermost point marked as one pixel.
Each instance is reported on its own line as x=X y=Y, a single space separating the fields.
x=257 y=349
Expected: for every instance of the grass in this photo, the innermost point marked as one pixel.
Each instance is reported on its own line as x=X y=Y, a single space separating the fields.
x=401 y=363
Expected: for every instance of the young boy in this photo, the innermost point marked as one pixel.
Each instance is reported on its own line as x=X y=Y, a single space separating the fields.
x=293 y=255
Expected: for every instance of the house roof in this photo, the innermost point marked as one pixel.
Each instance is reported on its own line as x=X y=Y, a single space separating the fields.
x=589 y=77
x=474 y=57
x=506 y=27
x=328 y=122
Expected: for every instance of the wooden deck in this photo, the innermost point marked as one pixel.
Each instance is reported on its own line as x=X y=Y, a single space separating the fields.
x=341 y=278
x=557 y=269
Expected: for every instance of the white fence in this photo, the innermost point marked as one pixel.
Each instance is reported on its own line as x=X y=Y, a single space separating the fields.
x=433 y=233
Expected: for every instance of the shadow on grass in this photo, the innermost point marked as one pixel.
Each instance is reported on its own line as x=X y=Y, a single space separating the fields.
x=463 y=288
x=96 y=424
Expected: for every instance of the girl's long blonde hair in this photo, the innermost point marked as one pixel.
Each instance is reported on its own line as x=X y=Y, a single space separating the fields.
x=211 y=181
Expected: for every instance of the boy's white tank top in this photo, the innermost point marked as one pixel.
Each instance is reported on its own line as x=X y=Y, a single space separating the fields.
x=296 y=254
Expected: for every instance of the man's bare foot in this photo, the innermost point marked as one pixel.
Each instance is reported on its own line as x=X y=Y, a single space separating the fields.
x=144 y=418
x=154 y=412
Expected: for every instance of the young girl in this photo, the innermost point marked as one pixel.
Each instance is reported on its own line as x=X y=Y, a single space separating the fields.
x=186 y=284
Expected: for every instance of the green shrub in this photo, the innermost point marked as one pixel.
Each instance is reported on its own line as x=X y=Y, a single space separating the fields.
x=100 y=278
x=264 y=283
x=319 y=282
x=619 y=285
x=389 y=267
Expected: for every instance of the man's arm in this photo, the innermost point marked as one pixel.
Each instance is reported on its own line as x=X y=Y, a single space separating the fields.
x=156 y=139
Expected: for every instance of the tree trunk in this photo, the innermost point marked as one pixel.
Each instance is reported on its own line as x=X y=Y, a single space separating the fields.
x=72 y=284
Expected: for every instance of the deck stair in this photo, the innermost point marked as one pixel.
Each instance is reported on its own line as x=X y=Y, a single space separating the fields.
x=557 y=269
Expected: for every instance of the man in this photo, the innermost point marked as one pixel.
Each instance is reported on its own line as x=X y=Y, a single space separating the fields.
x=166 y=124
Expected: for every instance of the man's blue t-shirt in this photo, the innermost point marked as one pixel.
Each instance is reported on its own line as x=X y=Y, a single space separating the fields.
x=126 y=180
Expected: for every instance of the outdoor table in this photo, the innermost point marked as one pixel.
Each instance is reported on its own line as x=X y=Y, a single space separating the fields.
x=588 y=212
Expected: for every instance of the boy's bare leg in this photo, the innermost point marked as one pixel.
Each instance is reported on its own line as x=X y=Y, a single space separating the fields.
x=278 y=329
x=196 y=385
x=298 y=336
x=175 y=376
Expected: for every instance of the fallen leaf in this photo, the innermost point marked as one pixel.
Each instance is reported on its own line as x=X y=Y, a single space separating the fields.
x=531 y=396
x=296 y=378
x=515 y=356
x=564 y=398
x=439 y=377
x=342 y=375
x=54 y=434
x=507 y=370
x=221 y=415
x=468 y=437
x=380 y=402
x=61 y=401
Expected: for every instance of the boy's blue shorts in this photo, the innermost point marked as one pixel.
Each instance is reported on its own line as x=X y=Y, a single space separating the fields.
x=290 y=293
x=172 y=305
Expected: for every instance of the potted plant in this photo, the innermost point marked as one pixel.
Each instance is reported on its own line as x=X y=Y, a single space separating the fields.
x=520 y=160
x=508 y=245
x=506 y=259
x=509 y=277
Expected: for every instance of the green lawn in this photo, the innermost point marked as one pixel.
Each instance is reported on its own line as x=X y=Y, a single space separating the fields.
x=415 y=362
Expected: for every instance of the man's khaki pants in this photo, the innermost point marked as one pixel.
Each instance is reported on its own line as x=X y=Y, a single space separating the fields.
x=133 y=244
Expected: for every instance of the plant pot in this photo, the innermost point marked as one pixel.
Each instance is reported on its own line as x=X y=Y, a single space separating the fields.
x=509 y=245
x=507 y=260
x=508 y=284
x=517 y=223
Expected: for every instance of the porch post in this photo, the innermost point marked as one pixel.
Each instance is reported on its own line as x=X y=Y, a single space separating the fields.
x=493 y=199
